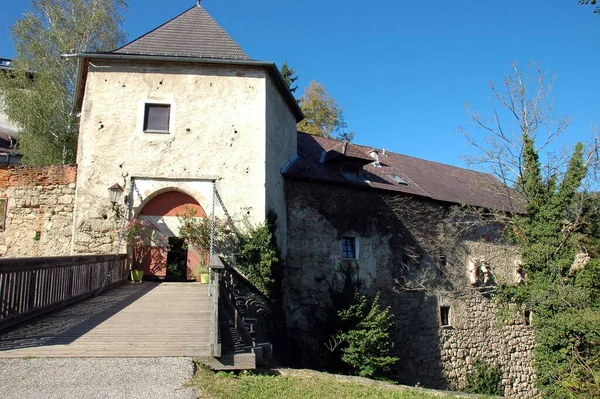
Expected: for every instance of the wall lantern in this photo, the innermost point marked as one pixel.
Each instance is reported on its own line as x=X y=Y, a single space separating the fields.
x=114 y=193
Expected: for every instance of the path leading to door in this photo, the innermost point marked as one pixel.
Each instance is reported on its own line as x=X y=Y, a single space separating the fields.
x=133 y=320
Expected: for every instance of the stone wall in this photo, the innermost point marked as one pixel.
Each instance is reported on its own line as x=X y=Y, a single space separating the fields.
x=404 y=256
x=39 y=213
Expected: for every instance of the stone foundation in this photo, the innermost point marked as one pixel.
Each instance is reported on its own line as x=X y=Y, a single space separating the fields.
x=39 y=210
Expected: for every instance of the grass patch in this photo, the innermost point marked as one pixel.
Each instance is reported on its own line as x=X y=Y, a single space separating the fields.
x=297 y=384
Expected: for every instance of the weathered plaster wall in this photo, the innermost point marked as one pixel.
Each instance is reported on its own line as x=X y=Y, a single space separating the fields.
x=39 y=210
x=399 y=257
x=280 y=147
x=4 y=121
x=217 y=131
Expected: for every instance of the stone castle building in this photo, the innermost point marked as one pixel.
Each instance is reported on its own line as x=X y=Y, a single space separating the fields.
x=181 y=118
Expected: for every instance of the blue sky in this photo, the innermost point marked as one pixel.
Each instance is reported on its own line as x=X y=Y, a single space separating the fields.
x=402 y=70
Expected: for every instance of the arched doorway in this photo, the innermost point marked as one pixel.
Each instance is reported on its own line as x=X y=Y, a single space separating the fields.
x=168 y=257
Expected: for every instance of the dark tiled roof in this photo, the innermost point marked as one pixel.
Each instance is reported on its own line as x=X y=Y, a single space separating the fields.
x=343 y=150
x=424 y=178
x=191 y=34
x=8 y=134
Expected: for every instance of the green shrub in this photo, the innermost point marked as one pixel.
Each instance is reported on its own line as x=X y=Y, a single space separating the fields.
x=485 y=379
x=368 y=343
x=257 y=256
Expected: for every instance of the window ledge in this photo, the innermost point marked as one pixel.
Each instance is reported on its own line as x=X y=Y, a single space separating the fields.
x=157 y=131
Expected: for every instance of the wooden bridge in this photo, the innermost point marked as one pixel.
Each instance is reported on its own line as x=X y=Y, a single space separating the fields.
x=128 y=320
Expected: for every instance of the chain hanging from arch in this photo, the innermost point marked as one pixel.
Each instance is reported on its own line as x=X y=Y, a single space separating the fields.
x=212 y=239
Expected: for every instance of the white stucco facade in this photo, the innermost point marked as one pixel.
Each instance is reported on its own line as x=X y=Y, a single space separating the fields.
x=227 y=124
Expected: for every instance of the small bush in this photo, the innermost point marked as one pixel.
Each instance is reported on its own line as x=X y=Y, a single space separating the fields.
x=369 y=344
x=485 y=379
x=257 y=257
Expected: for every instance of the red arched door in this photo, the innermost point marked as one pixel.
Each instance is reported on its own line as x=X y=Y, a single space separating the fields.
x=168 y=256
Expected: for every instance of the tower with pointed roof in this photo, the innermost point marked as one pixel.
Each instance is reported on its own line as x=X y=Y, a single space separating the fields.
x=181 y=109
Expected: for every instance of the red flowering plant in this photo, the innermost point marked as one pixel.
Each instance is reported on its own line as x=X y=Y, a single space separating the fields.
x=196 y=234
x=138 y=234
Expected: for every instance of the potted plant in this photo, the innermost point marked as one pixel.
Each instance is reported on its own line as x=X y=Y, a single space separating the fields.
x=200 y=273
x=138 y=234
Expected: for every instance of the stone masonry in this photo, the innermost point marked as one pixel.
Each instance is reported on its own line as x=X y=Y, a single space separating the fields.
x=400 y=256
x=39 y=213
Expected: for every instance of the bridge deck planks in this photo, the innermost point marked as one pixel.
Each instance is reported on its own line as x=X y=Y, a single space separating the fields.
x=134 y=320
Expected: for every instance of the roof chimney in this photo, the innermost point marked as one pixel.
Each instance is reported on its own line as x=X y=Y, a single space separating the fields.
x=375 y=155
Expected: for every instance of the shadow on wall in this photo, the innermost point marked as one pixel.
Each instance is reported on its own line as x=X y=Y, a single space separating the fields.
x=417 y=339
x=402 y=236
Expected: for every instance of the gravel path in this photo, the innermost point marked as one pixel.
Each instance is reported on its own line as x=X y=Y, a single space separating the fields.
x=102 y=378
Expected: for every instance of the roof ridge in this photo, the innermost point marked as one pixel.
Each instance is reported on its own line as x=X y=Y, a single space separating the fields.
x=404 y=155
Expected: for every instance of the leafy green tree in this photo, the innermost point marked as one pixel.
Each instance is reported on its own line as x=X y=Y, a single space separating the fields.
x=557 y=233
x=369 y=345
x=323 y=115
x=38 y=92
x=289 y=76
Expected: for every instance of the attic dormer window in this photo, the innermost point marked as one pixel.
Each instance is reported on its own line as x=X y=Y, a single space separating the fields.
x=351 y=174
x=398 y=180
x=157 y=118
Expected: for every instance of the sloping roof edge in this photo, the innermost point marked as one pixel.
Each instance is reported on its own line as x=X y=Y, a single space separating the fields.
x=423 y=178
x=270 y=67
x=230 y=50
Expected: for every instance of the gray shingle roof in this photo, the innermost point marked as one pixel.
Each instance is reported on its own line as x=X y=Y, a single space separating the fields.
x=423 y=178
x=193 y=33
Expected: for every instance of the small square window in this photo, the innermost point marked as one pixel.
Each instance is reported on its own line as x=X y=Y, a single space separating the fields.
x=349 y=247
x=156 y=118
x=445 y=316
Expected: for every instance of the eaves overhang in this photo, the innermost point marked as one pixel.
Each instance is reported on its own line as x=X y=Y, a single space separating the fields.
x=270 y=67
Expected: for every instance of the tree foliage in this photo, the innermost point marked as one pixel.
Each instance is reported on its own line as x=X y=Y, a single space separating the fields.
x=38 y=93
x=368 y=342
x=289 y=76
x=557 y=233
x=257 y=256
x=323 y=115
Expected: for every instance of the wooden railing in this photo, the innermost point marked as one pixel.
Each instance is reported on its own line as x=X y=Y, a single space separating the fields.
x=249 y=307
x=33 y=286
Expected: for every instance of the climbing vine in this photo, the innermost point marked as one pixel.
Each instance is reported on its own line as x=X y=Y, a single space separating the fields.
x=257 y=255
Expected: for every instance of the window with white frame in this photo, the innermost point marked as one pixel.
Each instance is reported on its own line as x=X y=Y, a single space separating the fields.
x=349 y=247
x=157 y=118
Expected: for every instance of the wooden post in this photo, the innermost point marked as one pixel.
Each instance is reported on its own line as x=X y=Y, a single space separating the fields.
x=32 y=289
x=217 y=268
